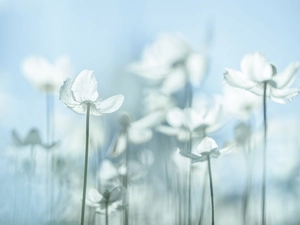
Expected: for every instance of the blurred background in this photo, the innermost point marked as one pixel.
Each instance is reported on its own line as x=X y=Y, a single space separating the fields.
x=107 y=36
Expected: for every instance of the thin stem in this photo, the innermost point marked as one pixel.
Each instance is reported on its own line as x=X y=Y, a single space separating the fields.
x=106 y=213
x=211 y=191
x=190 y=181
x=263 y=222
x=125 y=181
x=204 y=184
x=85 y=162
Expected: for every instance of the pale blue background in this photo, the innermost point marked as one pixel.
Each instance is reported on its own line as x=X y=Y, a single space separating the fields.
x=107 y=35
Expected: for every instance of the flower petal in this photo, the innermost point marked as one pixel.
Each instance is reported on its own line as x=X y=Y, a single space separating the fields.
x=93 y=197
x=207 y=144
x=189 y=155
x=237 y=79
x=110 y=104
x=116 y=194
x=196 y=66
x=85 y=87
x=175 y=117
x=256 y=67
x=66 y=94
x=286 y=77
x=288 y=93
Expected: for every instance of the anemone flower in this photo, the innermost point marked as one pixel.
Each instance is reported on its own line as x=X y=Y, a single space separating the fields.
x=206 y=150
x=81 y=96
x=170 y=61
x=45 y=76
x=259 y=76
x=189 y=122
x=106 y=202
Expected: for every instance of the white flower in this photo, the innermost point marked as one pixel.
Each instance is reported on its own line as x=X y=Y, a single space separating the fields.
x=136 y=132
x=239 y=102
x=206 y=147
x=77 y=94
x=170 y=60
x=255 y=71
x=45 y=76
x=188 y=120
x=108 y=199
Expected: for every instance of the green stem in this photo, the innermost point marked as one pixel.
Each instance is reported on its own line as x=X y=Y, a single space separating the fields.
x=204 y=184
x=211 y=191
x=263 y=222
x=126 y=210
x=106 y=213
x=85 y=162
x=190 y=181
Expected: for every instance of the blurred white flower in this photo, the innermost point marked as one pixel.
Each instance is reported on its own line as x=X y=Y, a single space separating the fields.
x=77 y=94
x=256 y=71
x=137 y=132
x=45 y=76
x=188 y=121
x=172 y=62
x=240 y=103
x=207 y=146
x=110 y=200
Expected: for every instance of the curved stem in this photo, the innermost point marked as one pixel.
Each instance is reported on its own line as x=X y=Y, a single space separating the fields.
x=211 y=191
x=263 y=222
x=85 y=162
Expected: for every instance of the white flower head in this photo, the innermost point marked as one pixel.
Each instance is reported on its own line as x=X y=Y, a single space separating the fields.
x=207 y=146
x=83 y=91
x=256 y=71
x=46 y=76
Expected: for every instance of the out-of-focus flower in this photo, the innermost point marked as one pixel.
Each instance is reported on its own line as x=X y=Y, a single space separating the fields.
x=32 y=138
x=207 y=146
x=172 y=62
x=240 y=103
x=256 y=71
x=189 y=122
x=110 y=200
x=137 y=132
x=45 y=76
x=83 y=91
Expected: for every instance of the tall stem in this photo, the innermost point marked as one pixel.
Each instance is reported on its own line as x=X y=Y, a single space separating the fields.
x=190 y=181
x=211 y=191
x=263 y=219
x=106 y=213
x=125 y=184
x=85 y=162
x=202 y=207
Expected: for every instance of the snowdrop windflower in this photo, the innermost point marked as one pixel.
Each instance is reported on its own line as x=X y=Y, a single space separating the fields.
x=240 y=103
x=206 y=147
x=256 y=71
x=136 y=132
x=170 y=60
x=83 y=91
x=32 y=138
x=45 y=76
x=106 y=200
x=189 y=122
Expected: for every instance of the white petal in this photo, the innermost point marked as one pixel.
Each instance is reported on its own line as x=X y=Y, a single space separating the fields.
x=288 y=93
x=196 y=66
x=174 y=81
x=149 y=120
x=189 y=155
x=206 y=145
x=94 y=196
x=66 y=94
x=256 y=67
x=110 y=104
x=237 y=79
x=85 y=87
x=175 y=117
x=286 y=77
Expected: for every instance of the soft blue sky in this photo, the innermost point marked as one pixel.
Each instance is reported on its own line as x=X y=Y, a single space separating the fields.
x=107 y=35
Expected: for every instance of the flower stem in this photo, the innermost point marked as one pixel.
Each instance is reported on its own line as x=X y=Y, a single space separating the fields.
x=106 y=213
x=263 y=218
x=85 y=162
x=202 y=208
x=211 y=191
